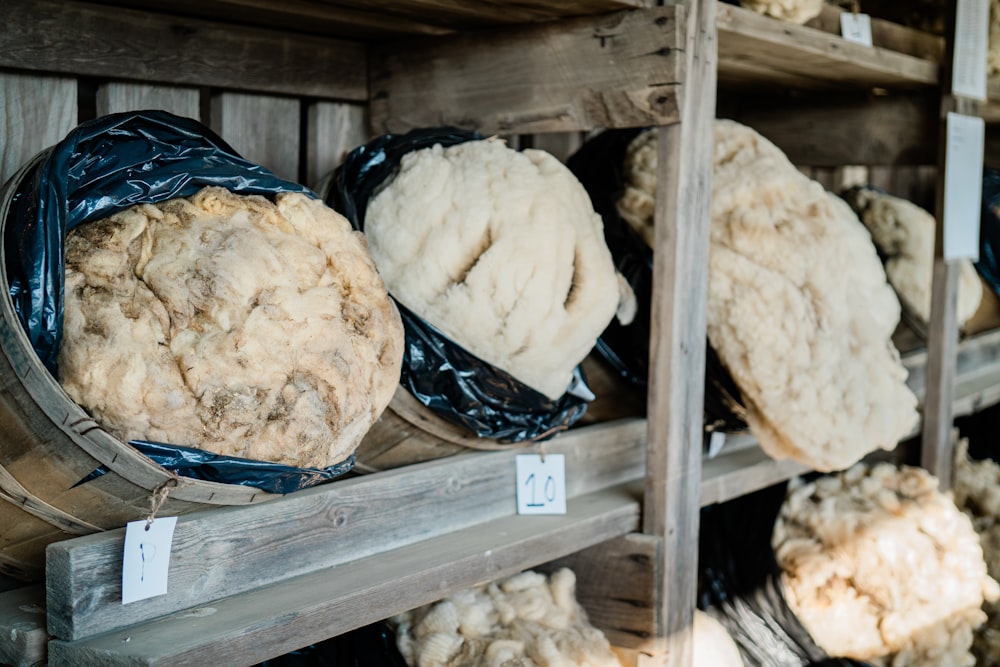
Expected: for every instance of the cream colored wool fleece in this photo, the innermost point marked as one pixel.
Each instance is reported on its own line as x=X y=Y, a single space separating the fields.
x=796 y=11
x=977 y=493
x=798 y=309
x=526 y=620
x=879 y=565
x=904 y=233
x=503 y=252
x=230 y=324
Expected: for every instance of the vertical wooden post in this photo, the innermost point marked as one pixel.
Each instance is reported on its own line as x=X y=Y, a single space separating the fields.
x=942 y=336
x=677 y=340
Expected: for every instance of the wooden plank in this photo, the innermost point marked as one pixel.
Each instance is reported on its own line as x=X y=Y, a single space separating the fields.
x=619 y=70
x=114 y=97
x=942 y=343
x=886 y=34
x=559 y=144
x=37 y=112
x=816 y=59
x=273 y=620
x=734 y=474
x=261 y=128
x=87 y=39
x=621 y=606
x=221 y=553
x=834 y=130
x=333 y=130
x=22 y=627
x=308 y=16
x=677 y=338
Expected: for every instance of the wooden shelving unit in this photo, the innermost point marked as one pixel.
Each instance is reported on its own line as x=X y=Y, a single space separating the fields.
x=250 y=583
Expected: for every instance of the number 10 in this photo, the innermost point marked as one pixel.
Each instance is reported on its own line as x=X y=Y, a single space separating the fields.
x=549 y=489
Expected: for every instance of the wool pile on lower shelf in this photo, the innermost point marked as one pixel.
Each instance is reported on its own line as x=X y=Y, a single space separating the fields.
x=879 y=565
x=977 y=493
x=527 y=620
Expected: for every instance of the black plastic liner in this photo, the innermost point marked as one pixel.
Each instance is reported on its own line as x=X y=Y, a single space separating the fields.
x=989 y=230
x=599 y=166
x=740 y=584
x=370 y=646
x=103 y=166
x=457 y=385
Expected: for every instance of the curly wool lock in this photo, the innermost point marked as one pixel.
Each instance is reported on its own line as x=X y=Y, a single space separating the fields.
x=879 y=565
x=526 y=620
x=977 y=493
x=807 y=342
x=230 y=324
x=503 y=252
x=795 y=11
x=904 y=234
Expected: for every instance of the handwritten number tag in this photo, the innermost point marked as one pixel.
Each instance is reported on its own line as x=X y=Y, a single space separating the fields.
x=541 y=485
x=146 y=558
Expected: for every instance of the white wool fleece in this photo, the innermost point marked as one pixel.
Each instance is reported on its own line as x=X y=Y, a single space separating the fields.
x=527 y=620
x=232 y=325
x=795 y=11
x=880 y=566
x=977 y=493
x=798 y=308
x=904 y=233
x=502 y=251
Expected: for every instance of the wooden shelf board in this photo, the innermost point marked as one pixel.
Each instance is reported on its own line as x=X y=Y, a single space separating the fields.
x=273 y=620
x=757 y=51
x=22 y=626
x=215 y=555
x=374 y=19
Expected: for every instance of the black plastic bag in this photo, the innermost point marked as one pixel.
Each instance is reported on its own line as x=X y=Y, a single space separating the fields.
x=988 y=265
x=370 y=646
x=599 y=166
x=458 y=386
x=103 y=166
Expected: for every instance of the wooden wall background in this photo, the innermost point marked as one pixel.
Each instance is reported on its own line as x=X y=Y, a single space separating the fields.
x=300 y=139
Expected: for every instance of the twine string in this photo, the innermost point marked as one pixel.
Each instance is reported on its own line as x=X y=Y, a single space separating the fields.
x=159 y=496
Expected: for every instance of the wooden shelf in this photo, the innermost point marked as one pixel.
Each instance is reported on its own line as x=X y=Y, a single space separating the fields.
x=273 y=620
x=756 y=51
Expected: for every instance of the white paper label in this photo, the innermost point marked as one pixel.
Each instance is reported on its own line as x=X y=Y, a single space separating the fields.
x=716 y=441
x=963 y=186
x=972 y=21
x=147 y=558
x=541 y=485
x=856 y=28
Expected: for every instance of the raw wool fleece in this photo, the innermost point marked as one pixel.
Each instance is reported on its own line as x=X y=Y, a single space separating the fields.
x=796 y=11
x=879 y=565
x=807 y=341
x=230 y=324
x=503 y=252
x=712 y=644
x=525 y=620
x=977 y=493
x=904 y=233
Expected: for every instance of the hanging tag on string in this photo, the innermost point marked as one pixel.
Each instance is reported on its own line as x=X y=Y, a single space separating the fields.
x=968 y=70
x=963 y=185
x=146 y=558
x=541 y=484
x=856 y=27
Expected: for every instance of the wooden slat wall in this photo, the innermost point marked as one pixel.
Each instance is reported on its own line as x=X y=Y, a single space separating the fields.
x=37 y=111
x=115 y=97
x=333 y=130
x=261 y=128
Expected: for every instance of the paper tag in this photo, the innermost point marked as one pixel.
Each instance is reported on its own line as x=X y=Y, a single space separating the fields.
x=856 y=28
x=963 y=186
x=968 y=72
x=716 y=441
x=541 y=485
x=146 y=559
